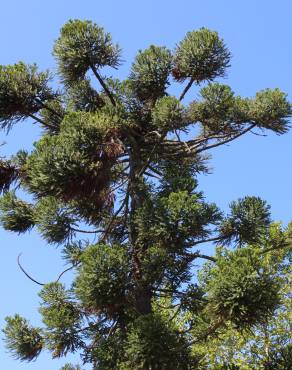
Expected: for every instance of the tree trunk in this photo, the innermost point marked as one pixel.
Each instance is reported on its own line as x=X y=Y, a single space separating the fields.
x=142 y=294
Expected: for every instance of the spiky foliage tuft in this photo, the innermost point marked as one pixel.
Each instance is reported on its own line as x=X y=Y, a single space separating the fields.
x=220 y=111
x=62 y=319
x=215 y=110
x=100 y=264
x=9 y=173
x=24 y=341
x=72 y=251
x=149 y=76
x=83 y=97
x=16 y=215
x=201 y=56
x=23 y=91
x=249 y=219
x=248 y=296
x=271 y=110
x=83 y=45
x=77 y=164
x=70 y=367
x=53 y=221
x=145 y=350
x=168 y=114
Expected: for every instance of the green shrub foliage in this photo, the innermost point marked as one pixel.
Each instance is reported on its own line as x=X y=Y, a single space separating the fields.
x=161 y=279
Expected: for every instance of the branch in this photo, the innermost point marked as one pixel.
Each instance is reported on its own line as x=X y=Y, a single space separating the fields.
x=25 y=273
x=120 y=185
x=155 y=170
x=186 y=89
x=152 y=175
x=63 y=272
x=257 y=134
x=228 y=140
x=112 y=328
x=205 y=335
x=176 y=312
x=179 y=148
x=170 y=307
x=171 y=291
x=109 y=226
x=100 y=80
x=192 y=256
x=45 y=106
x=215 y=239
x=34 y=280
x=150 y=155
x=42 y=122
x=86 y=231
x=271 y=249
x=90 y=326
x=200 y=139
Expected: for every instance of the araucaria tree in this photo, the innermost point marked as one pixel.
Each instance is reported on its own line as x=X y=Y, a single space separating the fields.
x=112 y=181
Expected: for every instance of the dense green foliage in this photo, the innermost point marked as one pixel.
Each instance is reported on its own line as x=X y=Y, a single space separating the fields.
x=112 y=182
x=24 y=341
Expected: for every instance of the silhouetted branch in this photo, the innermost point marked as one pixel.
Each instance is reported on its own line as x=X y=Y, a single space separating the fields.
x=25 y=273
x=186 y=89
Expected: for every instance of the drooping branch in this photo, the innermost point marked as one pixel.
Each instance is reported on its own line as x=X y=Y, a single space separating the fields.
x=36 y=281
x=26 y=274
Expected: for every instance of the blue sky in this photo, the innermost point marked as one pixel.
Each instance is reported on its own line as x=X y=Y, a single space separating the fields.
x=258 y=33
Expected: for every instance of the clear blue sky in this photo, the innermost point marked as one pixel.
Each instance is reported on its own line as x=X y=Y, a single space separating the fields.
x=258 y=33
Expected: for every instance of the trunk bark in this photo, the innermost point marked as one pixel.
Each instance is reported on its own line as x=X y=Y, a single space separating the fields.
x=142 y=294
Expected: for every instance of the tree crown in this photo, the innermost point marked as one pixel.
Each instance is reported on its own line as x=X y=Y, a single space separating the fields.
x=118 y=165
